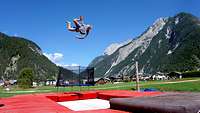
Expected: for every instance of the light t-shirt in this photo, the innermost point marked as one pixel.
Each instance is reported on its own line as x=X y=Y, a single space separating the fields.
x=84 y=28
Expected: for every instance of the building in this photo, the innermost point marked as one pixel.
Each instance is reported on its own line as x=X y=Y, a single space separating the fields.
x=159 y=76
x=102 y=81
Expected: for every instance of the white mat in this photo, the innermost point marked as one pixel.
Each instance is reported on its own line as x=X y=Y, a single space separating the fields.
x=89 y=104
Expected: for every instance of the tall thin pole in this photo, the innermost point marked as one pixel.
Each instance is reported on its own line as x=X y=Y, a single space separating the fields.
x=79 y=77
x=137 y=78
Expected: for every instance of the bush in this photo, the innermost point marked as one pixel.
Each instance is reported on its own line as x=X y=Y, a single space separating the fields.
x=191 y=74
x=25 y=79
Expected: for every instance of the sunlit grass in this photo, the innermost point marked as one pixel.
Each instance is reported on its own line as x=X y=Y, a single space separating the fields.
x=191 y=86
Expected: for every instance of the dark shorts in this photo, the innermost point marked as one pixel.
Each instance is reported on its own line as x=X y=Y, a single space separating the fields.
x=76 y=28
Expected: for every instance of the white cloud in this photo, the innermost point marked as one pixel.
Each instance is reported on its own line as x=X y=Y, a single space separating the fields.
x=15 y=35
x=68 y=65
x=57 y=59
x=72 y=66
x=54 y=57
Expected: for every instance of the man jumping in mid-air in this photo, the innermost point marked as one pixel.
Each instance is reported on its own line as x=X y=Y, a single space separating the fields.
x=80 y=27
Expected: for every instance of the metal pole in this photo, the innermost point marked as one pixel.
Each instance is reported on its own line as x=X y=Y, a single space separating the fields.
x=72 y=82
x=79 y=78
x=137 y=78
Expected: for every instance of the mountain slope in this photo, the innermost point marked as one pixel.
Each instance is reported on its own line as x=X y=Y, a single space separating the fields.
x=17 y=53
x=112 y=64
x=176 y=47
x=170 y=44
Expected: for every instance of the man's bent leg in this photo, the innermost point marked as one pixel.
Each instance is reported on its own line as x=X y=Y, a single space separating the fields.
x=69 y=27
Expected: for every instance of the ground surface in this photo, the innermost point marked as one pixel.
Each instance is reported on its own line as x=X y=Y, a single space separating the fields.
x=185 y=85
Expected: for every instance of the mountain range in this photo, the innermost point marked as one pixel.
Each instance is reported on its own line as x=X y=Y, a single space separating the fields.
x=17 y=53
x=169 y=44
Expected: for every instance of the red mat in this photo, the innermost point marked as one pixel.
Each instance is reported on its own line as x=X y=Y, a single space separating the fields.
x=100 y=111
x=63 y=97
x=87 y=95
x=46 y=103
x=31 y=104
x=124 y=94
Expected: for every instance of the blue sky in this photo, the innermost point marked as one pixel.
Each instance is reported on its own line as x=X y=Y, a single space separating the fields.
x=43 y=21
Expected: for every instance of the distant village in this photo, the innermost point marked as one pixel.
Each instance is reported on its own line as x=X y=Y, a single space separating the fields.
x=103 y=80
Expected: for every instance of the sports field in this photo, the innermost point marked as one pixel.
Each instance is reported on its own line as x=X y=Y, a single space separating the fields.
x=184 y=85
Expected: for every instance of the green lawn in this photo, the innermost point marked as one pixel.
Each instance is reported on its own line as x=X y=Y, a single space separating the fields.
x=191 y=86
x=183 y=87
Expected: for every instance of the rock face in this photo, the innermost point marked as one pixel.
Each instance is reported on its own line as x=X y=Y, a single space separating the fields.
x=113 y=47
x=170 y=44
x=17 y=53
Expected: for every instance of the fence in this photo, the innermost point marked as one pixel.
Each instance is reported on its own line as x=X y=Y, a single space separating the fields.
x=75 y=76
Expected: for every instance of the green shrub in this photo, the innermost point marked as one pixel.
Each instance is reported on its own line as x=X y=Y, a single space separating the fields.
x=25 y=79
x=191 y=74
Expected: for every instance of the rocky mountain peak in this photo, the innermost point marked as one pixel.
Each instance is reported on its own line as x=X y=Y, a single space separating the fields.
x=114 y=46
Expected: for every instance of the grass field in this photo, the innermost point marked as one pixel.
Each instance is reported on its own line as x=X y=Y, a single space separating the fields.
x=186 y=85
